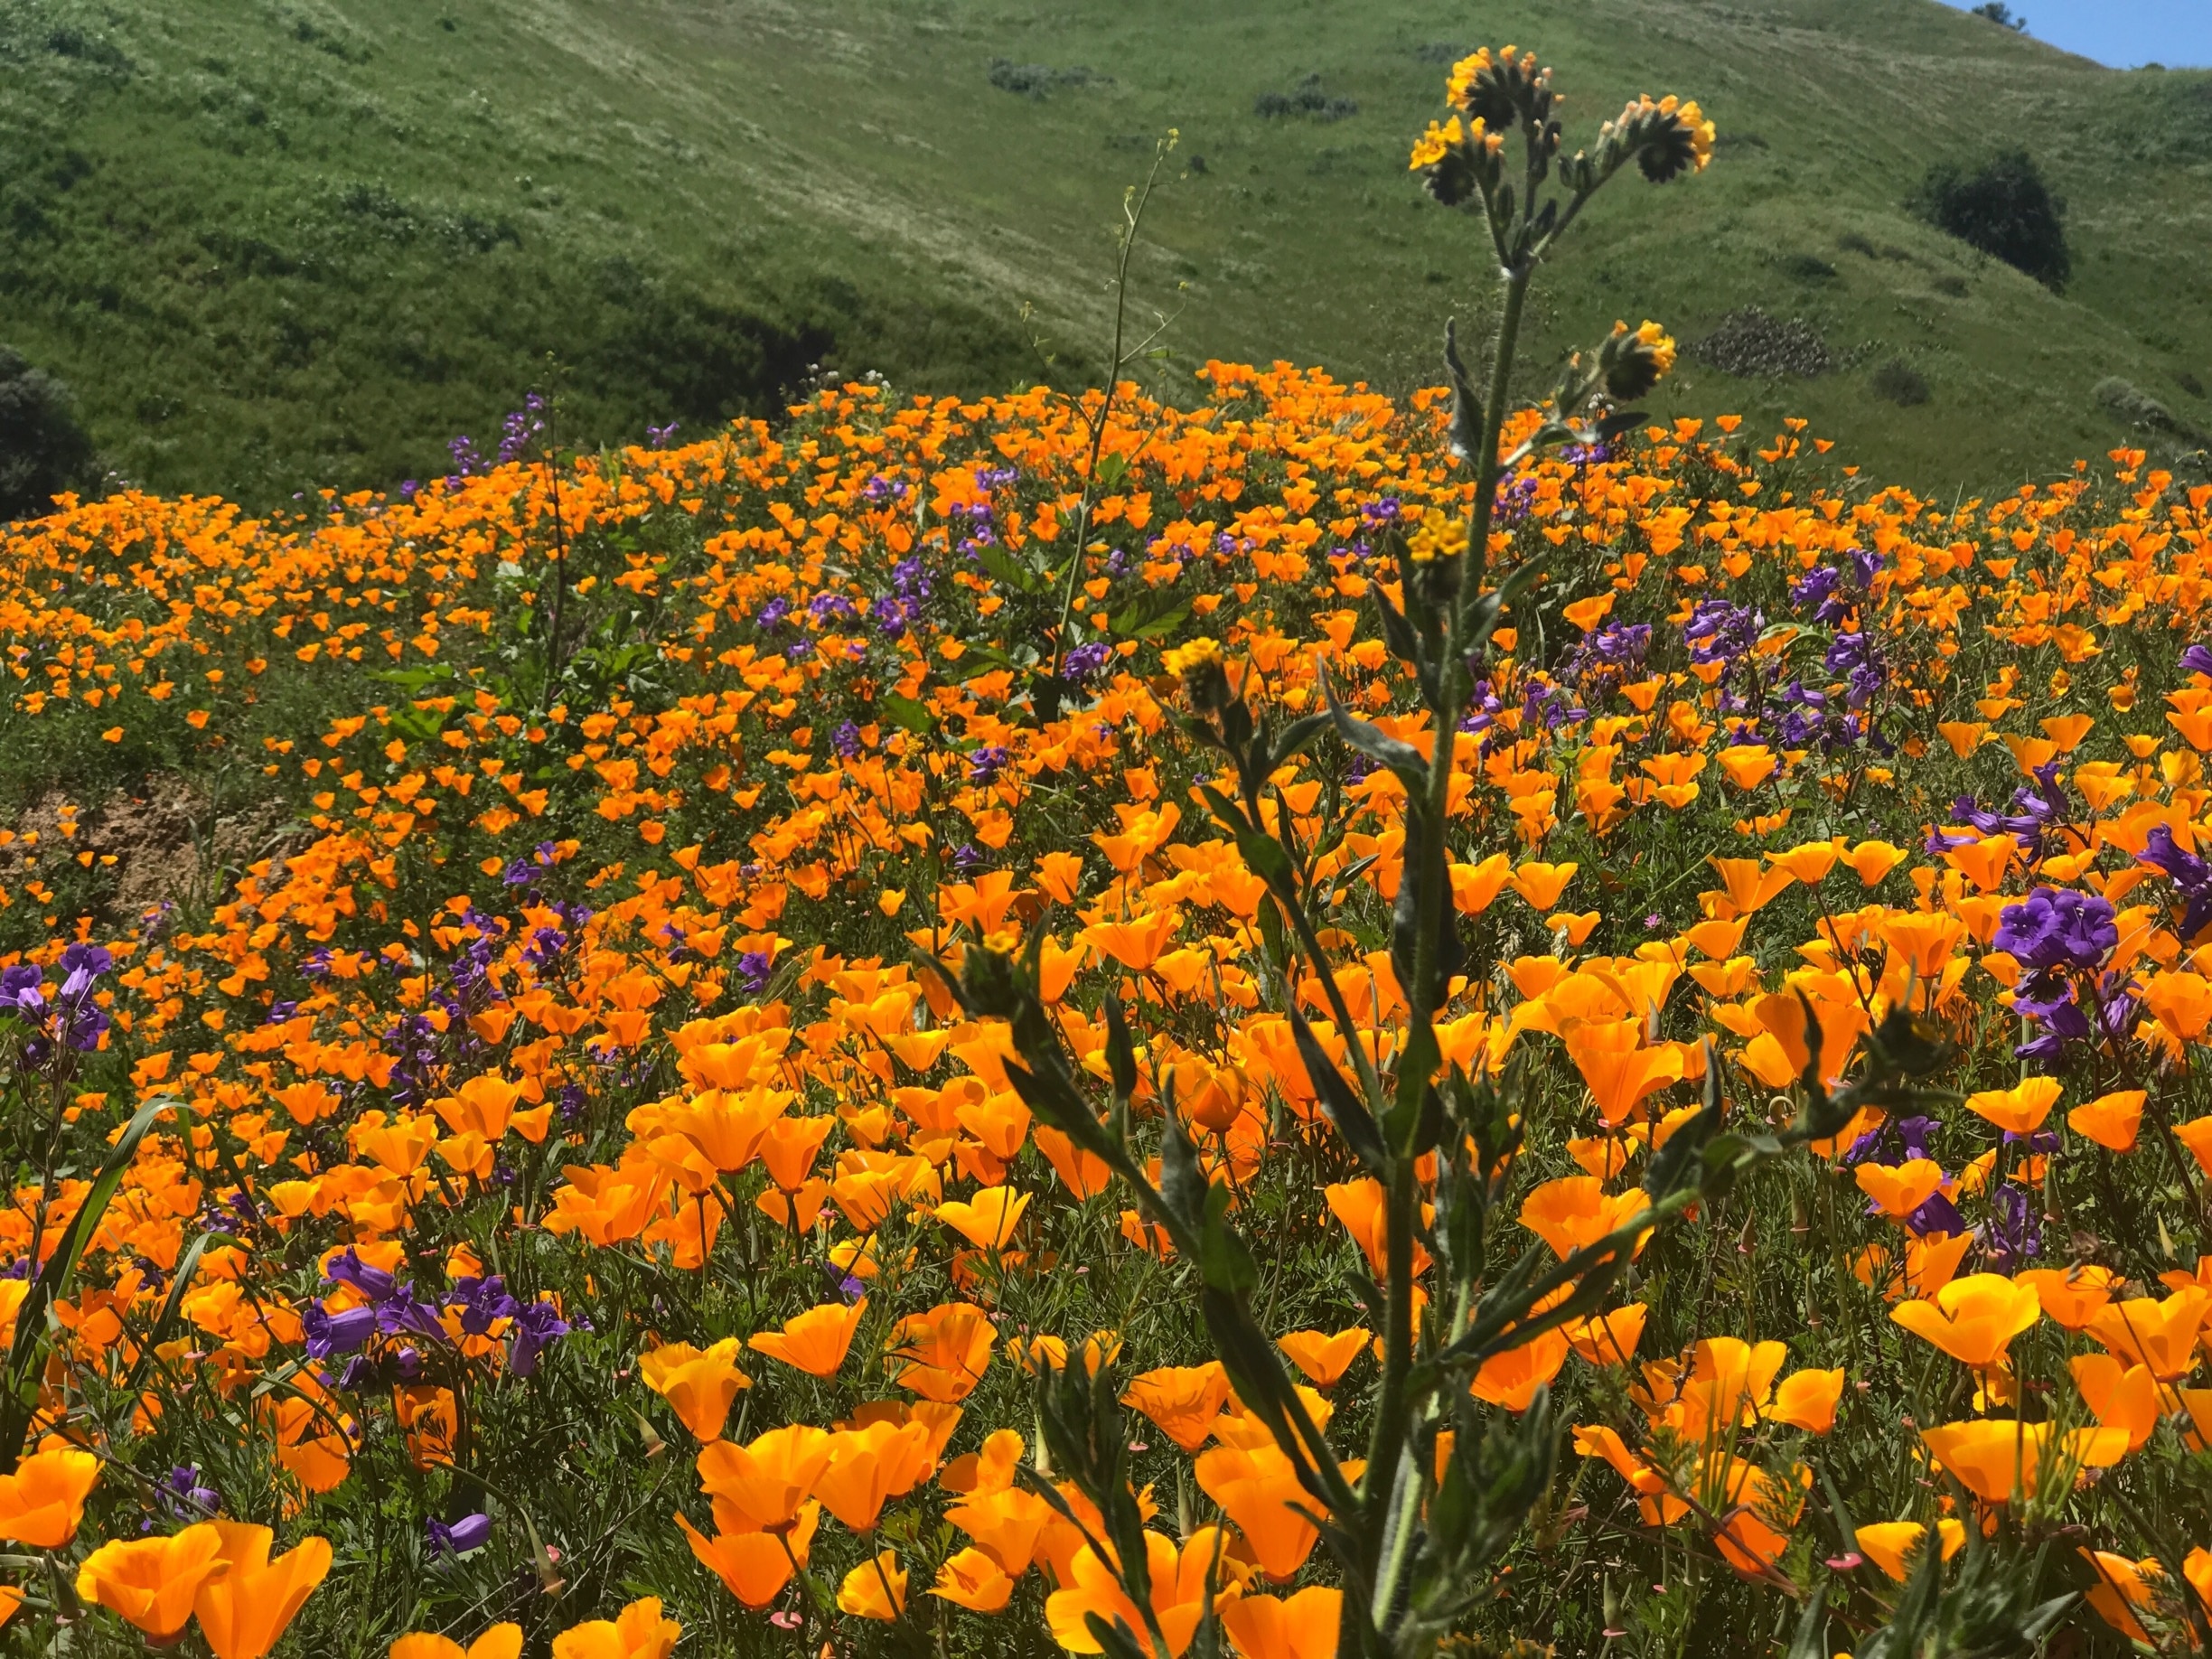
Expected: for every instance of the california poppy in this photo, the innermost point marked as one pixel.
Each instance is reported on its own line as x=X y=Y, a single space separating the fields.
x=245 y=1606
x=503 y=1641
x=699 y=1383
x=973 y=1580
x=153 y=1582
x=637 y=1632
x=1972 y=1319
x=1179 y=1580
x=816 y=1341
x=42 y=1501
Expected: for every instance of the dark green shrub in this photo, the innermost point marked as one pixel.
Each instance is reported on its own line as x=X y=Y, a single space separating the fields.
x=42 y=449
x=1306 y=99
x=1899 y=382
x=2003 y=208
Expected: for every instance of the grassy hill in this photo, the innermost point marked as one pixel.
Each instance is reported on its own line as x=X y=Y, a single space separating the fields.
x=275 y=243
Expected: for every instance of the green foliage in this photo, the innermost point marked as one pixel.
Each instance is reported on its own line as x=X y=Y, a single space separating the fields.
x=268 y=260
x=43 y=450
x=2004 y=207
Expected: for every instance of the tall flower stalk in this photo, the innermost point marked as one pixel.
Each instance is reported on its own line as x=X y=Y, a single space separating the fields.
x=1416 y=1527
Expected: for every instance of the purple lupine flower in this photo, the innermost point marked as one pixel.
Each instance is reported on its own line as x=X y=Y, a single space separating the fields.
x=469 y=1533
x=1719 y=631
x=753 y=972
x=986 y=764
x=2014 y=1231
x=536 y=1325
x=481 y=1301
x=2191 y=875
x=346 y=1267
x=2056 y=927
x=329 y=1334
x=1085 y=660
x=2197 y=660
x=846 y=740
x=1607 y=656
x=186 y=1497
x=1937 y=1213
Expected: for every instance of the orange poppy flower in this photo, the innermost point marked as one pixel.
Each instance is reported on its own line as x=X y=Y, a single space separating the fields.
x=1181 y=1400
x=1889 y=1544
x=2161 y=1335
x=1998 y=1458
x=246 y=1606
x=1972 y=1319
x=868 y=1467
x=1324 y=1359
x=151 y=1582
x=1511 y=1378
x=2020 y=1109
x=987 y=1221
x=1620 y=1071
x=1902 y=1188
x=973 y=1580
x=637 y=1632
x=699 y=1383
x=1179 y=1580
x=816 y=1341
x=1300 y=1627
x=42 y=1501
x=1573 y=1211
x=754 y=1566
x=2110 y=1120
x=2123 y=1396
x=2070 y=1295
x=1807 y=1400
x=1608 y=1338
x=500 y=1642
x=943 y=1354
x=764 y=1481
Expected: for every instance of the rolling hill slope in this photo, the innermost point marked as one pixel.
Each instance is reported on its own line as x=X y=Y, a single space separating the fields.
x=273 y=243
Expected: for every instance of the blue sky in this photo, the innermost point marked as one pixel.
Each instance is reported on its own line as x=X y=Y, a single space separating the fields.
x=2123 y=33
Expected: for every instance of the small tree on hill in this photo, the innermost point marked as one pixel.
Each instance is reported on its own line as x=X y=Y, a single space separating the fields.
x=1999 y=14
x=43 y=450
x=2005 y=209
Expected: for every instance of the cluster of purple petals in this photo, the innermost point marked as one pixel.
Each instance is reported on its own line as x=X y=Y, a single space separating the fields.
x=2063 y=938
x=394 y=1309
x=2038 y=811
x=2191 y=875
x=71 y=1020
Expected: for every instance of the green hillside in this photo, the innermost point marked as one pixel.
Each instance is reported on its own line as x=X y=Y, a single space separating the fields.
x=279 y=242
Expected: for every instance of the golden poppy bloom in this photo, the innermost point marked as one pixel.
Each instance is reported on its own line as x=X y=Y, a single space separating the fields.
x=638 y=1631
x=151 y=1582
x=699 y=1383
x=816 y=1341
x=1973 y=1319
x=42 y=1501
x=1179 y=1581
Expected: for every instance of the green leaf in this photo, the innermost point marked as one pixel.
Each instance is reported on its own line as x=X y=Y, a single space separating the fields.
x=906 y=712
x=53 y=1281
x=1354 y=1121
x=1009 y=569
x=1151 y=613
x=1224 y=1258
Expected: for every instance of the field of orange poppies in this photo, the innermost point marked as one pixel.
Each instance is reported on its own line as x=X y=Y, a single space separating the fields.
x=905 y=1033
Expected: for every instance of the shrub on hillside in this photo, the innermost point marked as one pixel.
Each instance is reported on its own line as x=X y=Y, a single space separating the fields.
x=1306 y=99
x=43 y=450
x=1901 y=383
x=2005 y=209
